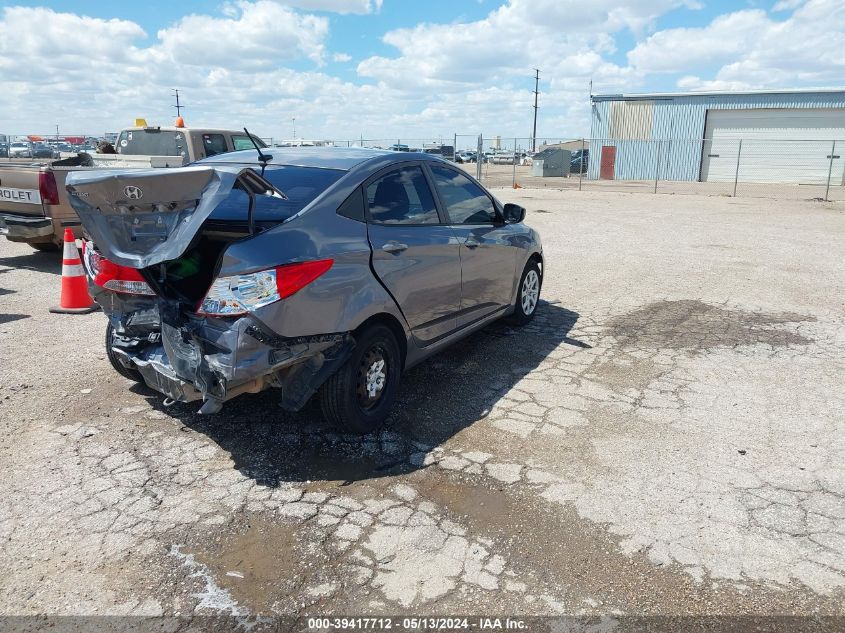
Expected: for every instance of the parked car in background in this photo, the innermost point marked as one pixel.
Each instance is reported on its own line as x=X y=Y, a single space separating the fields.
x=465 y=157
x=20 y=150
x=40 y=150
x=4 y=150
x=313 y=269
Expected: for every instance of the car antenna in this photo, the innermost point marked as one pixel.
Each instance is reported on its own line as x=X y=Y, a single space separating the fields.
x=262 y=157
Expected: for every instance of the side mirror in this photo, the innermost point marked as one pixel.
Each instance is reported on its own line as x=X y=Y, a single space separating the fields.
x=513 y=213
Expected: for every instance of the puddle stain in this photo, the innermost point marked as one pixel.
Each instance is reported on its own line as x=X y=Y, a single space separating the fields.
x=585 y=563
x=695 y=325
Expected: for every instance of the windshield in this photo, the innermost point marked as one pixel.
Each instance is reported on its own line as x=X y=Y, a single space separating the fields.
x=300 y=184
x=152 y=142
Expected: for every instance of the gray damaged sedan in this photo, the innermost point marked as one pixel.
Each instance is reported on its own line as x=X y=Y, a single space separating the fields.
x=314 y=269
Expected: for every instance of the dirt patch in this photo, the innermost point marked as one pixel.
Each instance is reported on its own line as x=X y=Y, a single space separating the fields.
x=695 y=325
x=261 y=564
x=585 y=563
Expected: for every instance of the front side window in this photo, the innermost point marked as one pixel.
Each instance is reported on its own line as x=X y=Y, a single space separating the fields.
x=214 y=144
x=465 y=202
x=402 y=197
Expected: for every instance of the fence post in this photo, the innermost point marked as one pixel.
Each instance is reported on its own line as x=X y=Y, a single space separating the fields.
x=829 y=172
x=455 y=148
x=513 y=183
x=657 y=166
x=479 y=157
x=736 y=173
x=581 y=165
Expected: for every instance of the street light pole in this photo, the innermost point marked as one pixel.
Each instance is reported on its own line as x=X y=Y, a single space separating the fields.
x=294 y=127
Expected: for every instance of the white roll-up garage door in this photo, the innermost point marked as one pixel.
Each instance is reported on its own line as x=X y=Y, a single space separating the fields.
x=778 y=145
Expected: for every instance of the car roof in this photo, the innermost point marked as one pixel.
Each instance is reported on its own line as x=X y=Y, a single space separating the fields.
x=344 y=158
x=172 y=128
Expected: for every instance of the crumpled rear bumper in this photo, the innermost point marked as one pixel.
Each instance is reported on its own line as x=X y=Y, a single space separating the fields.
x=192 y=358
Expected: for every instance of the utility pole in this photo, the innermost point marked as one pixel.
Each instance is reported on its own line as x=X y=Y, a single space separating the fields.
x=178 y=105
x=536 y=94
x=293 y=119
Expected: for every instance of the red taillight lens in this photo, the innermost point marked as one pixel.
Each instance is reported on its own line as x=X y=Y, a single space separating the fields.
x=292 y=278
x=47 y=187
x=112 y=276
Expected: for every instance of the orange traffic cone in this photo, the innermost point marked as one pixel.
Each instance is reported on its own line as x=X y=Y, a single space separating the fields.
x=75 y=298
x=516 y=185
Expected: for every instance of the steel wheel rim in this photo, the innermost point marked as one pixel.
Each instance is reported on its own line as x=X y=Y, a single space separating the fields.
x=530 y=291
x=372 y=377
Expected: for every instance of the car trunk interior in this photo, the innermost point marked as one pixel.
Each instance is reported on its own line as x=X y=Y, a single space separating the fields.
x=188 y=278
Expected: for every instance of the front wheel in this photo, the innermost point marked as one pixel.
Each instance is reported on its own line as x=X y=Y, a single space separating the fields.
x=360 y=395
x=528 y=296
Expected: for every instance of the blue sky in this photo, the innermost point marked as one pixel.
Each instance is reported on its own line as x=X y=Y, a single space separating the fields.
x=394 y=68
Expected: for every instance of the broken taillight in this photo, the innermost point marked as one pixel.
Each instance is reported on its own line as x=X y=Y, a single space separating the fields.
x=238 y=294
x=112 y=276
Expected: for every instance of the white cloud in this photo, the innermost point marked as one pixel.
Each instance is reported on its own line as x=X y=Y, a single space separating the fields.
x=753 y=49
x=234 y=66
x=335 y=6
x=787 y=5
x=674 y=50
x=253 y=34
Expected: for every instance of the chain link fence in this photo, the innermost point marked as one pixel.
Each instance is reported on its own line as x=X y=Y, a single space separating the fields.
x=794 y=169
x=766 y=168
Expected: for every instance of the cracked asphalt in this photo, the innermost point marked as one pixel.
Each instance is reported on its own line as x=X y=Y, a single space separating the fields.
x=665 y=438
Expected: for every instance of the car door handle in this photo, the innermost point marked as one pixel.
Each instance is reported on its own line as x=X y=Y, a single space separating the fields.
x=394 y=247
x=472 y=243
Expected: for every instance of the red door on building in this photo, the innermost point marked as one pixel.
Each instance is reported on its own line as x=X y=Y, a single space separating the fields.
x=608 y=162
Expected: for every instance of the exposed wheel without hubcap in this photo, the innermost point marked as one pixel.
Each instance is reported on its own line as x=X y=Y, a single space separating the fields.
x=358 y=397
x=372 y=378
x=530 y=292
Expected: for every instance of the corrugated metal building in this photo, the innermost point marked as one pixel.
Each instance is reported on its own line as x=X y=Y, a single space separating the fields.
x=770 y=136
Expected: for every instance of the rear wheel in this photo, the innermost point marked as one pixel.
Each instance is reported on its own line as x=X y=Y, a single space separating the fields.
x=126 y=372
x=360 y=395
x=45 y=247
x=528 y=296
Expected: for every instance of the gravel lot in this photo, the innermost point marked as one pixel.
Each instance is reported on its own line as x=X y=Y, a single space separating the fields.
x=667 y=437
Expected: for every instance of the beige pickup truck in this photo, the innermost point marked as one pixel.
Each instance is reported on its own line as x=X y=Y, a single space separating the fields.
x=34 y=206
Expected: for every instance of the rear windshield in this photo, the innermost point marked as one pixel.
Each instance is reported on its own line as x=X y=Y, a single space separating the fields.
x=300 y=184
x=152 y=142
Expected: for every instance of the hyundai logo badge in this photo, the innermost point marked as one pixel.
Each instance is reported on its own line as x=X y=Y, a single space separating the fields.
x=133 y=193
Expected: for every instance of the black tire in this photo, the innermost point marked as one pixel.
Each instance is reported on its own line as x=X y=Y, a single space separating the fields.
x=524 y=311
x=344 y=398
x=126 y=372
x=45 y=247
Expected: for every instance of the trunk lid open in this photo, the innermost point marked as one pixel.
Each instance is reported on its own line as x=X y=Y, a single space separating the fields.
x=142 y=217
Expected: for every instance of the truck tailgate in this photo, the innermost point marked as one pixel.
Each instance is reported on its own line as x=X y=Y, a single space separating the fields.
x=19 y=191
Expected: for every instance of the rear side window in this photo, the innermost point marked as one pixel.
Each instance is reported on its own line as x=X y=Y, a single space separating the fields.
x=241 y=141
x=465 y=202
x=214 y=144
x=402 y=196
